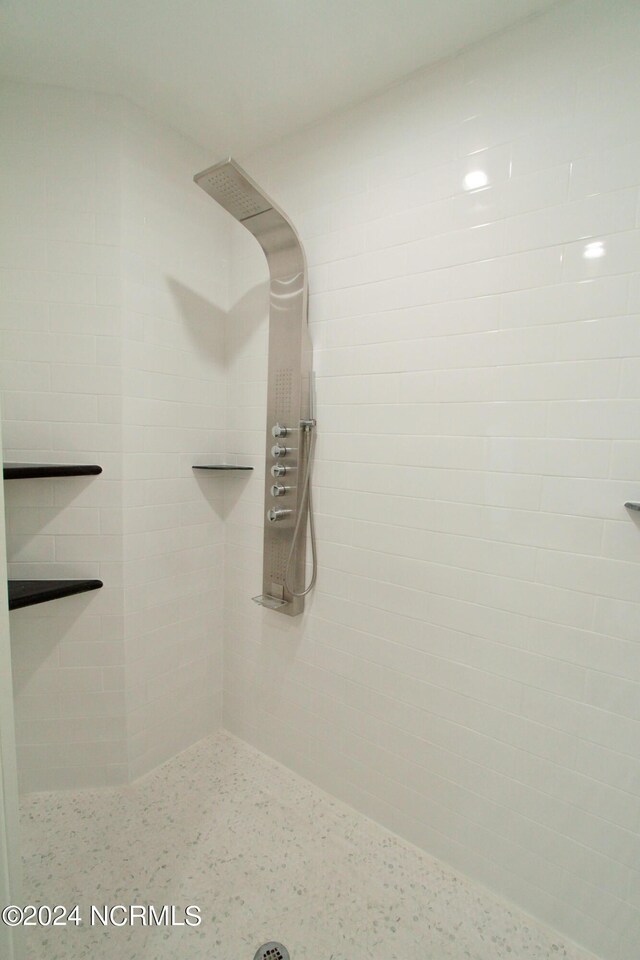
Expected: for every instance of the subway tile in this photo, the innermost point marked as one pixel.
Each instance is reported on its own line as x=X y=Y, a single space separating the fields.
x=621 y=541
x=70 y=288
x=611 y=337
x=594 y=419
x=564 y=303
x=594 y=576
x=50 y=406
x=581 y=220
x=609 y=254
x=467 y=417
x=84 y=319
x=68 y=225
x=23 y=253
x=32 y=286
x=26 y=316
x=536 y=190
x=587 y=458
x=616 y=618
x=586 y=497
x=625 y=460
x=80 y=290
x=47 y=347
x=605 y=171
x=25 y=375
x=613 y=694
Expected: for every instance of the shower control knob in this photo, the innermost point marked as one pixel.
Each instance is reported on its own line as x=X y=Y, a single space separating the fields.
x=279 y=431
x=278 y=451
x=279 y=470
x=274 y=515
x=278 y=490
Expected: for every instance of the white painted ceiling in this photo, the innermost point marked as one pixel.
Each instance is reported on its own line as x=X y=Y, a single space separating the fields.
x=236 y=74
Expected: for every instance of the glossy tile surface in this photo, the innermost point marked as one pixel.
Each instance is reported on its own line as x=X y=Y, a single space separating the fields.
x=266 y=855
x=467 y=671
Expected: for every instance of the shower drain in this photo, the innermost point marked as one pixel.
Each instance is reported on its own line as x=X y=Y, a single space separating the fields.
x=272 y=951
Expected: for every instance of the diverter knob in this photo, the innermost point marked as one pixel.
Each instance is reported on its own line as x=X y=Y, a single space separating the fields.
x=273 y=516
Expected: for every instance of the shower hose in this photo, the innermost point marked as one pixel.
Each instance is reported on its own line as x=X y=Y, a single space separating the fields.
x=309 y=429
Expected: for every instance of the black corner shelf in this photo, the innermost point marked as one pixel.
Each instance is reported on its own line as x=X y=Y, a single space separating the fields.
x=25 y=471
x=26 y=593
x=219 y=466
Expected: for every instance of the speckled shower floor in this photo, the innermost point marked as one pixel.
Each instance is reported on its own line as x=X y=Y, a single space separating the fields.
x=267 y=856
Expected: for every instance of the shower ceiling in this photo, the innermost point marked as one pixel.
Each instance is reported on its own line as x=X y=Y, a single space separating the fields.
x=236 y=74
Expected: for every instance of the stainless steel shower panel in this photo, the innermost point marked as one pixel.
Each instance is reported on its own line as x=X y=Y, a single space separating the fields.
x=289 y=371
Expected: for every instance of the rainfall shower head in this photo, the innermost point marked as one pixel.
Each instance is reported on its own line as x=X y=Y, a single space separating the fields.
x=233 y=190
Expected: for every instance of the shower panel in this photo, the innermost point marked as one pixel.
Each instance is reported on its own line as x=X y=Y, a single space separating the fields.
x=290 y=425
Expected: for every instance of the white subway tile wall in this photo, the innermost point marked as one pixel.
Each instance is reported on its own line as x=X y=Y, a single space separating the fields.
x=175 y=244
x=468 y=670
x=61 y=380
x=113 y=287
